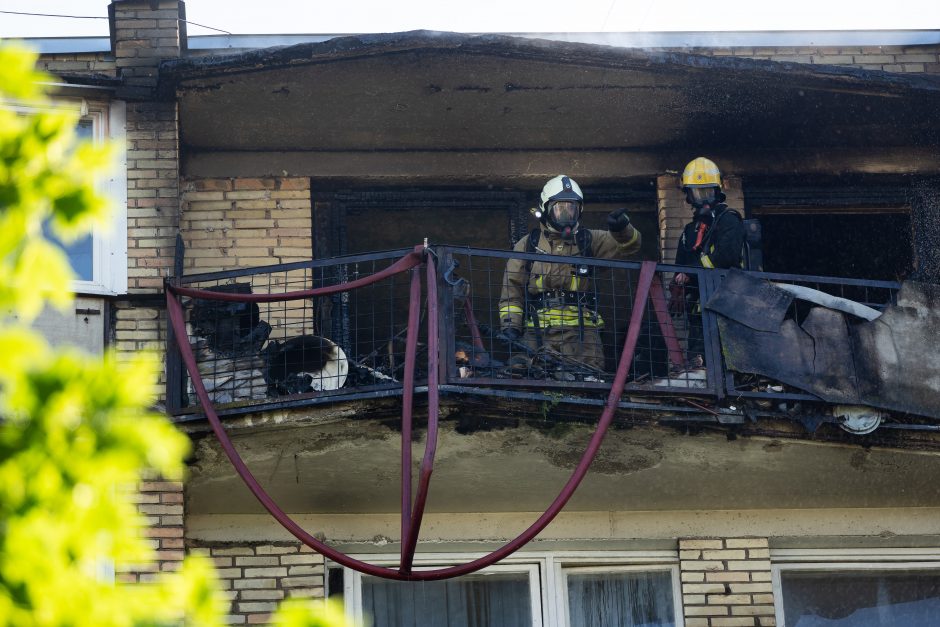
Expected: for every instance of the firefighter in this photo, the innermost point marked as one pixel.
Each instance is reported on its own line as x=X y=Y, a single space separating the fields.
x=554 y=305
x=713 y=239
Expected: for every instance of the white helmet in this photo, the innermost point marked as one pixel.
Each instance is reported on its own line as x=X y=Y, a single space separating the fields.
x=560 y=206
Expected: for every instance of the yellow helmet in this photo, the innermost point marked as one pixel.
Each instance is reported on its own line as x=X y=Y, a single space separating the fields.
x=701 y=172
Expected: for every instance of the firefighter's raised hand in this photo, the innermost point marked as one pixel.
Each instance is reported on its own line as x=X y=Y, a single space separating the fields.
x=617 y=220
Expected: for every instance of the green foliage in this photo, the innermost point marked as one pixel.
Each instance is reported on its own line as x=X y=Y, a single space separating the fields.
x=76 y=434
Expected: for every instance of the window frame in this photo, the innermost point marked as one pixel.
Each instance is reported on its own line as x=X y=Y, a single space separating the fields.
x=109 y=245
x=561 y=595
x=547 y=576
x=846 y=560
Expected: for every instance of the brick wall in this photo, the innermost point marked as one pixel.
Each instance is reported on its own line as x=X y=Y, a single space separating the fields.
x=919 y=59
x=144 y=33
x=152 y=194
x=244 y=223
x=726 y=582
x=78 y=63
x=257 y=576
x=161 y=503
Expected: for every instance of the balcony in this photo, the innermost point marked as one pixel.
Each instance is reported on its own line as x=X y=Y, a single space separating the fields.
x=352 y=345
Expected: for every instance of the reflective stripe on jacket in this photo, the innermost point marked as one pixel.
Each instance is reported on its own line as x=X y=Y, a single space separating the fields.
x=545 y=276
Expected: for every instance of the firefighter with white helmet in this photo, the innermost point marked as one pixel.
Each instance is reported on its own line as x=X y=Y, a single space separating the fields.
x=713 y=239
x=553 y=305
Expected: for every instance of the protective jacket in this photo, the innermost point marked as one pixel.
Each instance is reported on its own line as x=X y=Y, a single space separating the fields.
x=558 y=294
x=722 y=243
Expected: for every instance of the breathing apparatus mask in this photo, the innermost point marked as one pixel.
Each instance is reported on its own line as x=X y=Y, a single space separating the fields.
x=563 y=216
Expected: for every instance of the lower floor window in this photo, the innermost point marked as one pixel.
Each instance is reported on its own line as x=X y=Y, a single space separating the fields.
x=539 y=591
x=598 y=598
x=483 y=600
x=861 y=598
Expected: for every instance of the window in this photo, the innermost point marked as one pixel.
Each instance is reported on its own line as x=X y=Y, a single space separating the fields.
x=555 y=590
x=598 y=597
x=858 y=594
x=496 y=597
x=100 y=260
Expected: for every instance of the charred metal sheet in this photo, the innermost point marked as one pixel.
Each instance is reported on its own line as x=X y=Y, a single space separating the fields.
x=889 y=363
x=750 y=301
x=785 y=354
x=833 y=369
x=896 y=355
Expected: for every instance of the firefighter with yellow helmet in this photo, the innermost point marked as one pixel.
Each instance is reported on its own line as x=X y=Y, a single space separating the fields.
x=553 y=305
x=713 y=239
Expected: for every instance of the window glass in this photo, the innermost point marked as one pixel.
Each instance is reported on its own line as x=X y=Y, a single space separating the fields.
x=861 y=599
x=492 y=600
x=627 y=599
x=81 y=251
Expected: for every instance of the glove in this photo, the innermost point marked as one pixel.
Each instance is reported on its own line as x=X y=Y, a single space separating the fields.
x=618 y=220
x=676 y=299
x=509 y=334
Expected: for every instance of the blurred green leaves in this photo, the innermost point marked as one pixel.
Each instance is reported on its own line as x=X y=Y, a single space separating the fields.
x=44 y=176
x=76 y=434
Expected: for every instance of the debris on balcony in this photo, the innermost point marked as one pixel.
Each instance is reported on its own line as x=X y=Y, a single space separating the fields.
x=846 y=358
x=307 y=363
x=226 y=339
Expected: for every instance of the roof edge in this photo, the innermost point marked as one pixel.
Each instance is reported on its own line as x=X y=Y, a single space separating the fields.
x=175 y=71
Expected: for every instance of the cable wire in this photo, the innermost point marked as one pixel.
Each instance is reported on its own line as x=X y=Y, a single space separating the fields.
x=97 y=17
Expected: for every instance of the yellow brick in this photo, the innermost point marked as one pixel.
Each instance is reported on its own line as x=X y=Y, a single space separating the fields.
x=750 y=588
x=727 y=577
x=195 y=196
x=724 y=554
x=701 y=565
x=734 y=621
x=753 y=610
x=294 y=205
x=750 y=565
x=246 y=214
x=729 y=599
x=746 y=543
x=703 y=588
x=253 y=204
x=291 y=195
x=247 y=195
x=699 y=544
x=706 y=610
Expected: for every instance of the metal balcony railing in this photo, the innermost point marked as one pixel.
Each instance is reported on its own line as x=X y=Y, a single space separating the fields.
x=350 y=344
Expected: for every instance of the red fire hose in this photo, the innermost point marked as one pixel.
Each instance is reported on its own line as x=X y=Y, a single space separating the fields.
x=411 y=514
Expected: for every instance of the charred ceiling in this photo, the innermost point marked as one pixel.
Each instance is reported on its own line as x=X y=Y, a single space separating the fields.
x=444 y=93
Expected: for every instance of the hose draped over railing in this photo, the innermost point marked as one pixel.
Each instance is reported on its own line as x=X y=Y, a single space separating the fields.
x=412 y=508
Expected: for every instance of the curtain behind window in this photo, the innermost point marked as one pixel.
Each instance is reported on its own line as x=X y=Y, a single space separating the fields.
x=627 y=599
x=497 y=600
x=859 y=599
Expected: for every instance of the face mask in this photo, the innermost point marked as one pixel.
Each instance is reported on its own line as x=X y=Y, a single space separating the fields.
x=563 y=216
x=701 y=196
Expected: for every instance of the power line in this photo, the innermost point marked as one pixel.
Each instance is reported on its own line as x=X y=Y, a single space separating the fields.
x=96 y=17
x=74 y=17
